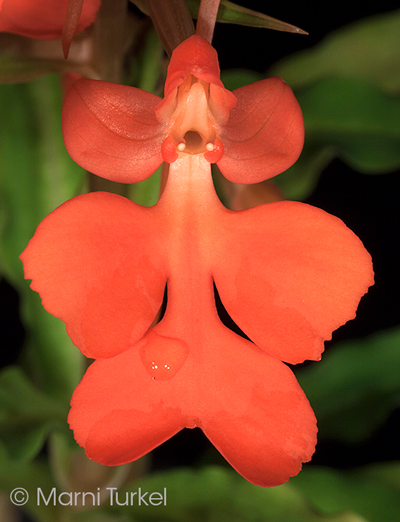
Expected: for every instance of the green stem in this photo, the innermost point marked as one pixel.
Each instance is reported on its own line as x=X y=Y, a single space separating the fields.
x=151 y=64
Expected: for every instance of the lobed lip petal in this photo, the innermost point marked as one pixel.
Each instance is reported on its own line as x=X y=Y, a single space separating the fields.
x=111 y=130
x=289 y=275
x=264 y=135
x=256 y=413
x=248 y=403
x=42 y=19
x=119 y=413
x=95 y=264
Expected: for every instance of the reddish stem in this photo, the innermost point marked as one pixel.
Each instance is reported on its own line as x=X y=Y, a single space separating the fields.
x=172 y=21
x=206 y=19
x=74 y=10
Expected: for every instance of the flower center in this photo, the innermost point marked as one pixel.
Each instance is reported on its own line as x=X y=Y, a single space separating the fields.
x=192 y=128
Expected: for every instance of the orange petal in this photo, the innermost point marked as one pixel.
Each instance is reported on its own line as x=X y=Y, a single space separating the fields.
x=95 y=264
x=42 y=19
x=119 y=412
x=248 y=403
x=290 y=275
x=255 y=412
x=111 y=130
x=264 y=134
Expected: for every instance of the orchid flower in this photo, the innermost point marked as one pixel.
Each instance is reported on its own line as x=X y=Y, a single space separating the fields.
x=47 y=19
x=287 y=273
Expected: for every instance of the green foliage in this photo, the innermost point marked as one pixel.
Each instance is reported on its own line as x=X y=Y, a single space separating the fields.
x=368 y=49
x=36 y=172
x=214 y=494
x=355 y=386
x=348 y=88
x=236 y=78
x=30 y=476
x=231 y=13
x=36 y=175
x=237 y=14
x=372 y=492
x=346 y=118
x=361 y=122
x=26 y=414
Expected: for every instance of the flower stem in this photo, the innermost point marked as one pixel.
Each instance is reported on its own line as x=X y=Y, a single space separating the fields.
x=172 y=21
x=206 y=19
x=110 y=34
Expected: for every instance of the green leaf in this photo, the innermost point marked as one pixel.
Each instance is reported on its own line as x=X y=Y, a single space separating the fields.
x=26 y=414
x=99 y=515
x=368 y=49
x=347 y=87
x=30 y=476
x=365 y=492
x=216 y=494
x=299 y=182
x=355 y=386
x=36 y=175
x=147 y=192
x=355 y=117
x=234 y=14
x=347 y=118
x=235 y=78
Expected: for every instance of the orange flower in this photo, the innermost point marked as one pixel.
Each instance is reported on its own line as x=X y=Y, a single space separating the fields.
x=124 y=134
x=287 y=273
